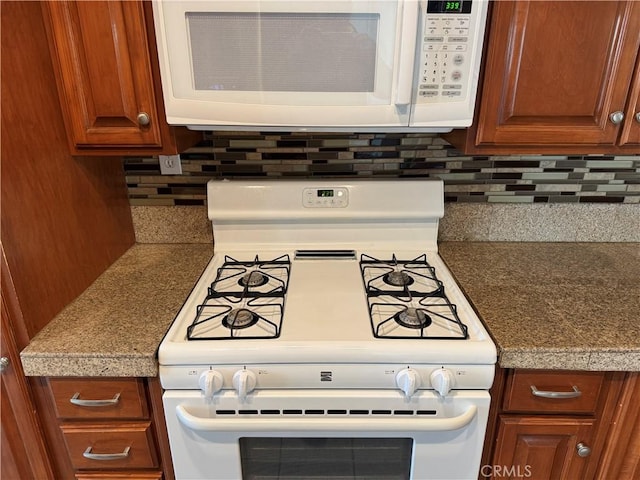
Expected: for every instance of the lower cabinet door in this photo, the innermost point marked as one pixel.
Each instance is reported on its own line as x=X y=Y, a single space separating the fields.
x=116 y=446
x=542 y=448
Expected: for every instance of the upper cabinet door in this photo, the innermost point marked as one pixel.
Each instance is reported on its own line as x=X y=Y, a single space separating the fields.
x=101 y=55
x=557 y=72
x=630 y=136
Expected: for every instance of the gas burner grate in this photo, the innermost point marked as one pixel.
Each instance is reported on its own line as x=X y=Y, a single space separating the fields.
x=400 y=278
x=245 y=301
x=407 y=300
x=213 y=322
x=441 y=321
x=237 y=280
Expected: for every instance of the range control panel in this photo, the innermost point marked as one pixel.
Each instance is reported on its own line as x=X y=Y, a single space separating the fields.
x=325 y=197
x=445 y=56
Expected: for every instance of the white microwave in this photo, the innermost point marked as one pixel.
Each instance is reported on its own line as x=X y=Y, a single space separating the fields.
x=332 y=65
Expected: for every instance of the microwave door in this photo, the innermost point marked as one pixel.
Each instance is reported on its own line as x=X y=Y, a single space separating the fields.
x=407 y=53
x=287 y=64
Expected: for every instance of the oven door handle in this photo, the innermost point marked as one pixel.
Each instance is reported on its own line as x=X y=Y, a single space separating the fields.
x=322 y=424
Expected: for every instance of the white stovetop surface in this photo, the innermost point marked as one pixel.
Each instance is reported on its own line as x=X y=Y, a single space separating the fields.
x=326 y=319
x=326 y=316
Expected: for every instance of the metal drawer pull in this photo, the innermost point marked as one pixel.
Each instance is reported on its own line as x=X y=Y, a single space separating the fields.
x=541 y=393
x=76 y=400
x=106 y=456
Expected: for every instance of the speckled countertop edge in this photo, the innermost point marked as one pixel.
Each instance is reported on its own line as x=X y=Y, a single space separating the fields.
x=115 y=326
x=569 y=306
x=542 y=303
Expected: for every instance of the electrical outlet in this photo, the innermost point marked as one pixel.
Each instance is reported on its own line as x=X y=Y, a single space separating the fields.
x=170 y=164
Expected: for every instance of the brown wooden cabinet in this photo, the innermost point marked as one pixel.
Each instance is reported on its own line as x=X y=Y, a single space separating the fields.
x=558 y=77
x=51 y=202
x=630 y=136
x=551 y=424
x=23 y=452
x=621 y=459
x=542 y=447
x=106 y=427
x=106 y=69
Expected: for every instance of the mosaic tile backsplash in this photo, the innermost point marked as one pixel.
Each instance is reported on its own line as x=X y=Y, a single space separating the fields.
x=492 y=179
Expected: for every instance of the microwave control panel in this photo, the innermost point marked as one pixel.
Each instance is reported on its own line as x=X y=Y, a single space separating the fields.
x=445 y=54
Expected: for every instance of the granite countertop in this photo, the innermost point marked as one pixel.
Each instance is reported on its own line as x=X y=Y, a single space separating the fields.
x=546 y=305
x=115 y=326
x=555 y=305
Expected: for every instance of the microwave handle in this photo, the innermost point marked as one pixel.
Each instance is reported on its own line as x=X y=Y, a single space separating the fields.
x=324 y=424
x=407 y=50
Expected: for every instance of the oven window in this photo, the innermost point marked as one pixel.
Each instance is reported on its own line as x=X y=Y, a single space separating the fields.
x=326 y=458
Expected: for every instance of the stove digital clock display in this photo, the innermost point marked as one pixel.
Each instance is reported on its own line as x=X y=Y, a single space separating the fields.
x=337 y=197
x=325 y=193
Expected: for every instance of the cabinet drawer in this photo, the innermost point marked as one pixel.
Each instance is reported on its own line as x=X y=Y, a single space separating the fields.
x=553 y=391
x=112 y=446
x=119 y=476
x=96 y=398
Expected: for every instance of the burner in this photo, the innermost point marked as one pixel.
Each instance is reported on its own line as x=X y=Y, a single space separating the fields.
x=398 y=279
x=239 y=318
x=412 y=318
x=253 y=279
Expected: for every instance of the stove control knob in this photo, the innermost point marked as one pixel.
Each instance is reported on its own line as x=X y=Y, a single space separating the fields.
x=244 y=381
x=408 y=380
x=442 y=381
x=210 y=382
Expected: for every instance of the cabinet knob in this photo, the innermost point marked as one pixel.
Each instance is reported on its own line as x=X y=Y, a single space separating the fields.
x=638 y=117
x=143 y=119
x=583 y=450
x=616 y=117
x=4 y=364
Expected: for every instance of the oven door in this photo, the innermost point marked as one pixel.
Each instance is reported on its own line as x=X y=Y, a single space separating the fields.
x=327 y=434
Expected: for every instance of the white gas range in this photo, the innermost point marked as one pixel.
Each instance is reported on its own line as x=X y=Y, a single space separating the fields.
x=324 y=331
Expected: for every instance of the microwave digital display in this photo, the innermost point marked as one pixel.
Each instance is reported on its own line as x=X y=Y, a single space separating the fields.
x=449 y=6
x=325 y=193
